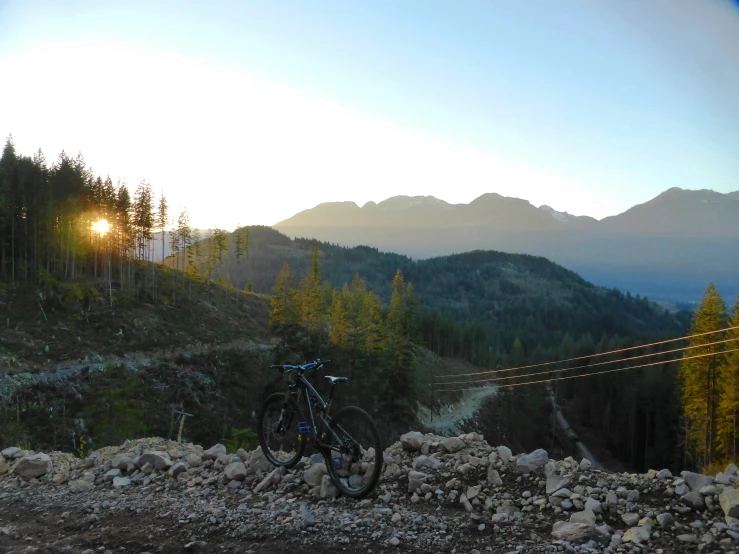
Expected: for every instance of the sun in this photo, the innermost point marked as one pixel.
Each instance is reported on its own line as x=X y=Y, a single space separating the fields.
x=101 y=226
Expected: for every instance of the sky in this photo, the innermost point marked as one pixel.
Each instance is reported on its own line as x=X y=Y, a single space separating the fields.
x=249 y=112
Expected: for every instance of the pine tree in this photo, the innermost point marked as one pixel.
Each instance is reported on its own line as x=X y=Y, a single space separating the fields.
x=338 y=326
x=701 y=377
x=311 y=293
x=162 y=215
x=728 y=408
x=284 y=302
x=241 y=242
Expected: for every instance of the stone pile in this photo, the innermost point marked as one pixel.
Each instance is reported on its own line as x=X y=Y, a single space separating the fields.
x=436 y=493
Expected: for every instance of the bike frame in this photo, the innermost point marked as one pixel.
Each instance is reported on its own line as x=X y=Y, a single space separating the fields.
x=304 y=386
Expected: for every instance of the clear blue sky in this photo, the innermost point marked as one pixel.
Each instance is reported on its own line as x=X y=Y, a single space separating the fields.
x=589 y=106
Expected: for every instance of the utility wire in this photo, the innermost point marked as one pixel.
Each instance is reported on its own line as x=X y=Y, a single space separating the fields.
x=488 y=372
x=589 y=365
x=596 y=373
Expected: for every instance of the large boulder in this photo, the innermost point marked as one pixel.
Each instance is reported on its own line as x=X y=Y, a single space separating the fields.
x=531 y=462
x=33 y=466
x=694 y=499
x=412 y=441
x=452 y=444
x=729 y=501
x=4 y=466
x=314 y=474
x=505 y=453
x=556 y=482
x=258 y=461
x=586 y=516
x=576 y=532
x=213 y=452
x=696 y=481
x=122 y=462
x=10 y=452
x=235 y=471
x=158 y=460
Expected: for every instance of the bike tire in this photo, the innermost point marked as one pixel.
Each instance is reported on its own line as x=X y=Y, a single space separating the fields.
x=339 y=422
x=280 y=398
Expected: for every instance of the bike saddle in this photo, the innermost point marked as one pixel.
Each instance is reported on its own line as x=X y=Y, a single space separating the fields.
x=335 y=380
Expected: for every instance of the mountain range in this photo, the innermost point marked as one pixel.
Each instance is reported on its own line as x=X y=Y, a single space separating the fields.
x=668 y=248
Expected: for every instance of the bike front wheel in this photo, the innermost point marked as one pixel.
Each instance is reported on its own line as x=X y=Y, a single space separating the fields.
x=279 y=437
x=354 y=456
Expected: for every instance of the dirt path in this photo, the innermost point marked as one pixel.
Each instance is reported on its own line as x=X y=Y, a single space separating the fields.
x=449 y=421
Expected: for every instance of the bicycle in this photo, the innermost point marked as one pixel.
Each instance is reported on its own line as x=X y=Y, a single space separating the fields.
x=349 y=441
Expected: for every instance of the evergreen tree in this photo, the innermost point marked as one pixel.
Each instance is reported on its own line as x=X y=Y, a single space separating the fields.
x=162 y=217
x=311 y=293
x=728 y=408
x=284 y=303
x=701 y=378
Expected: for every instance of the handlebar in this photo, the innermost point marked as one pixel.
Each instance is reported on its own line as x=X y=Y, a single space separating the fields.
x=302 y=368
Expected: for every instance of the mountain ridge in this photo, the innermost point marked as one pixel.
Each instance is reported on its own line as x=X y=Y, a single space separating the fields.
x=668 y=248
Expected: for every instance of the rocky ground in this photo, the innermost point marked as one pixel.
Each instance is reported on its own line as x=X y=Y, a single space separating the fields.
x=455 y=494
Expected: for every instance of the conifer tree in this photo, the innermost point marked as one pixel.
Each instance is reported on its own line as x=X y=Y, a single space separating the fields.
x=162 y=216
x=311 y=293
x=285 y=310
x=701 y=378
x=728 y=408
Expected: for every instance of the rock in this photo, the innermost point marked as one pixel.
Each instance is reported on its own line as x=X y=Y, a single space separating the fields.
x=119 y=482
x=637 y=535
x=465 y=503
x=499 y=518
x=10 y=452
x=158 y=460
x=235 y=471
x=505 y=454
x=412 y=441
x=550 y=468
x=494 y=479
x=122 y=462
x=576 y=532
x=193 y=460
x=665 y=520
x=258 y=461
x=729 y=500
x=533 y=461
x=593 y=505
x=586 y=516
x=682 y=489
x=178 y=468
x=32 y=466
x=452 y=444
x=110 y=475
x=687 y=538
x=416 y=479
x=632 y=496
x=4 y=466
x=694 y=499
x=696 y=481
x=272 y=479
x=723 y=478
x=314 y=474
x=426 y=461
x=147 y=468
x=472 y=492
x=80 y=485
x=731 y=469
x=395 y=541
x=630 y=519
x=557 y=482
x=328 y=489
x=664 y=474
x=585 y=464
x=213 y=452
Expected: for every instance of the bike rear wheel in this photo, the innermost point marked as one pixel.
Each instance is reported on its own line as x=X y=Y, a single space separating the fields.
x=281 y=442
x=354 y=460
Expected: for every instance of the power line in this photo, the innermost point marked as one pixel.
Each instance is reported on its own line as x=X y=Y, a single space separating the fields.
x=589 y=365
x=596 y=373
x=488 y=372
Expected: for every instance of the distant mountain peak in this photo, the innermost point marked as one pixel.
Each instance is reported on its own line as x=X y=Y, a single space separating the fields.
x=411 y=202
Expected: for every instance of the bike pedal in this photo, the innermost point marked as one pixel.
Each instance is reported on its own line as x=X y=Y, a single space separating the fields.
x=336 y=463
x=304 y=428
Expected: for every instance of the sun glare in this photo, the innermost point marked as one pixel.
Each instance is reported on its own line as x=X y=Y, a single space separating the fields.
x=101 y=226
